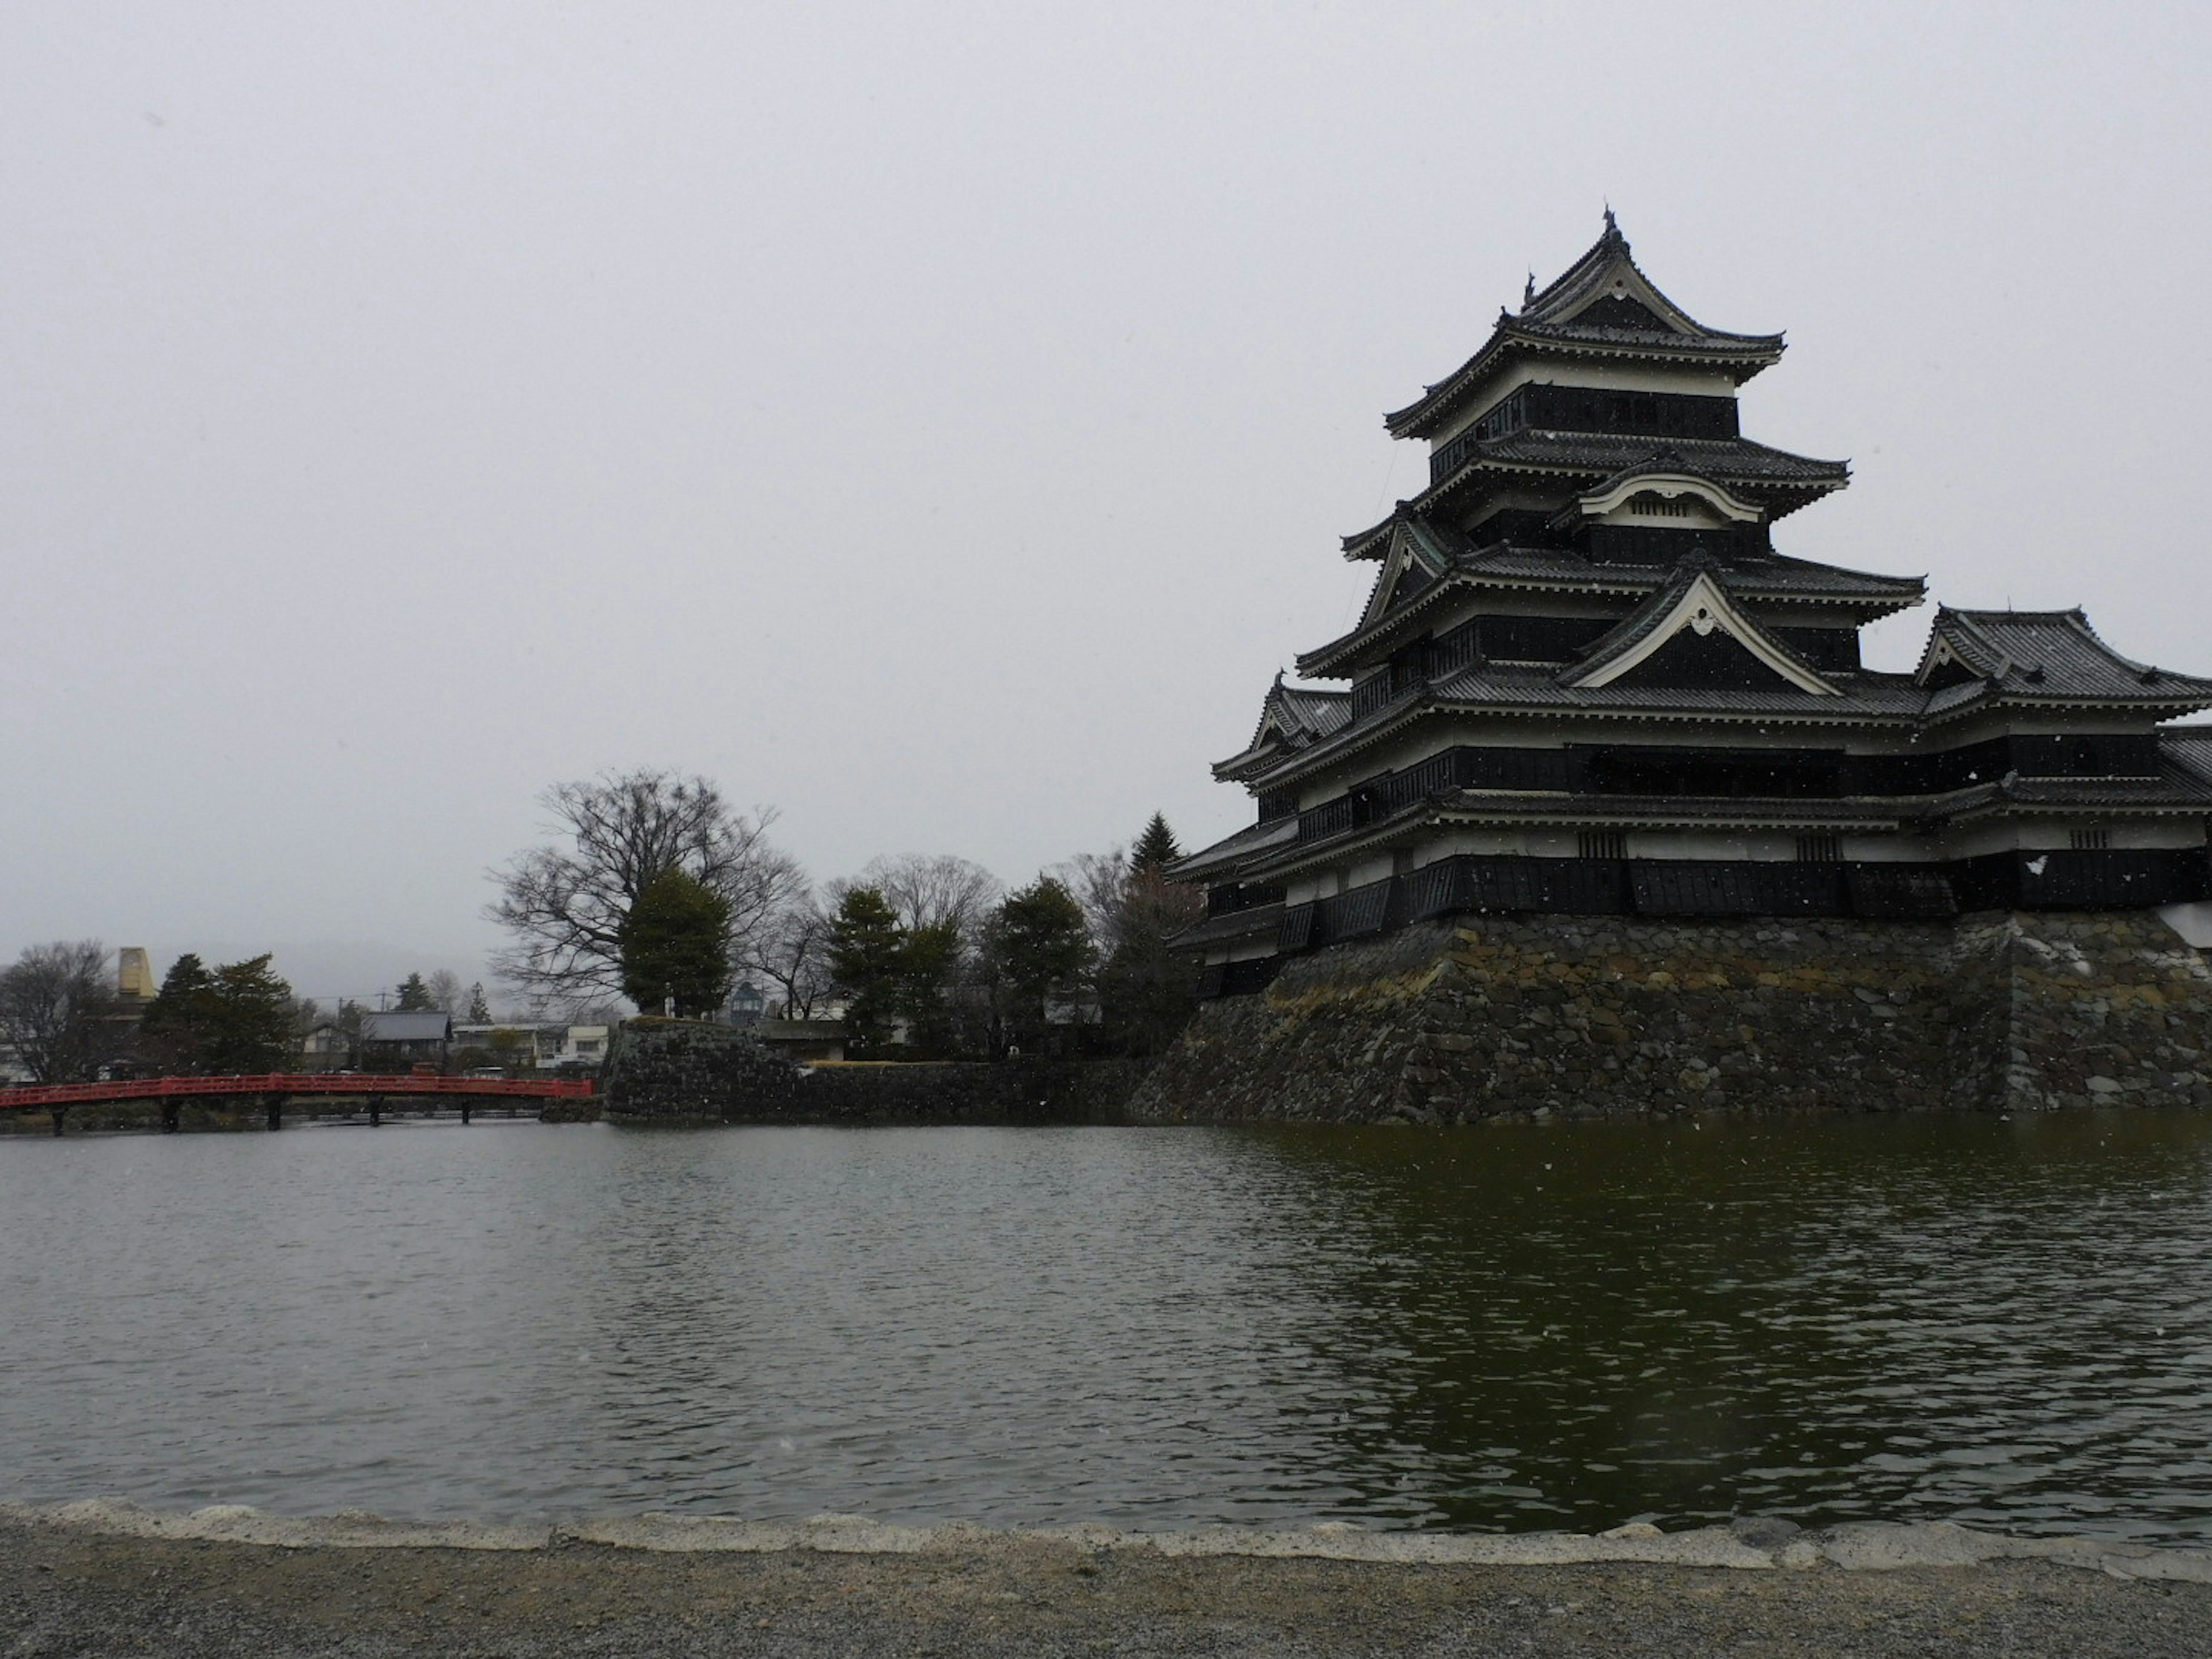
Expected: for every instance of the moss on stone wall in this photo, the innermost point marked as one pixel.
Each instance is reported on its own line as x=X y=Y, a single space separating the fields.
x=1496 y=1017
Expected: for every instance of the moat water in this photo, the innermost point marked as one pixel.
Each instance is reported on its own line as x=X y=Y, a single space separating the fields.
x=2004 y=1323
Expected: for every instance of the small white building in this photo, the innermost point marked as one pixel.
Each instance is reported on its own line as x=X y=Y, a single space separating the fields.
x=582 y=1045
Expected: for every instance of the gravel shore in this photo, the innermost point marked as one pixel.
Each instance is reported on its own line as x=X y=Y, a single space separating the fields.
x=72 y=1587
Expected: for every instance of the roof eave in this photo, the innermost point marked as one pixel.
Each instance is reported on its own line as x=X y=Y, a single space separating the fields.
x=1746 y=355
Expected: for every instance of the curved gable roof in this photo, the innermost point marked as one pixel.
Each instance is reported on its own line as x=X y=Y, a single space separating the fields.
x=1694 y=599
x=1603 y=303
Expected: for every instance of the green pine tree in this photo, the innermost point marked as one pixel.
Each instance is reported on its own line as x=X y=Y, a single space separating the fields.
x=1148 y=988
x=252 y=1025
x=1043 y=946
x=929 y=956
x=1155 y=848
x=866 y=951
x=173 y=1032
x=415 y=996
x=479 y=1010
x=675 y=942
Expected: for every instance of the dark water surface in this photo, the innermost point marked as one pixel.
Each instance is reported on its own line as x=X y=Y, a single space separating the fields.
x=2004 y=1323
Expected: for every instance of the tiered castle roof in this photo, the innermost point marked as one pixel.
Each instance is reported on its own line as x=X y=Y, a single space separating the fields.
x=1582 y=624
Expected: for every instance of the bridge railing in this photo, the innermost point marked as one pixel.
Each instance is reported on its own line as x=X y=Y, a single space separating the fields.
x=294 y=1082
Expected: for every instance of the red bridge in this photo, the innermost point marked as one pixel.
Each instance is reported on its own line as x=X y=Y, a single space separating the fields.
x=275 y=1087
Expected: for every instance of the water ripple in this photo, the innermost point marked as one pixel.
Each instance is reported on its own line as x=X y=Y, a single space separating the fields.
x=2003 y=1323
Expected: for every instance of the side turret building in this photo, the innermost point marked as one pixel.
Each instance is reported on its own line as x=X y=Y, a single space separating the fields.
x=1598 y=743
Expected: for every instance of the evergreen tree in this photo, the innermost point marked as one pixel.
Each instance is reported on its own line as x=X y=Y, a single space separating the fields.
x=866 y=959
x=1148 y=989
x=675 y=942
x=252 y=1019
x=415 y=996
x=173 y=1032
x=1043 y=946
x=929 y=957
x=479 y=1010
x=1155 y=848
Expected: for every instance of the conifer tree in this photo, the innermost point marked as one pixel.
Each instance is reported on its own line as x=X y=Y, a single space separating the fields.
x=1043 y=946
x=866 y=953
x=675 y=943
x=174 y=1031
x=479 y=1010
x=251 y=1025
x=1155 y=848
x=929 y=956
x=414 y=996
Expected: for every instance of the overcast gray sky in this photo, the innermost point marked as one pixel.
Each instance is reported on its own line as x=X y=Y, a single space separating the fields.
x=937 y=421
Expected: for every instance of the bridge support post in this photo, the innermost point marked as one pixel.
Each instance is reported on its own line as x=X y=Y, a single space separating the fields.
x=376 y=1111
x=464 y=1111
x=57 y=1113
x=169 y=1110
x=275 y=1105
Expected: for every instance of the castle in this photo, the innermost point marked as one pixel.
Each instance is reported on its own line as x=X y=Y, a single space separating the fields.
x=1590 y=697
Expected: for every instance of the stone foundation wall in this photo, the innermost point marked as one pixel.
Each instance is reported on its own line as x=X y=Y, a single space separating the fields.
x=1494 y=1016
x=675 y=1072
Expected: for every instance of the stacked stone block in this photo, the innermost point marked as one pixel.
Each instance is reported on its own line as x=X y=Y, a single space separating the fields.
x=679 y=1071
x=1500 y=1018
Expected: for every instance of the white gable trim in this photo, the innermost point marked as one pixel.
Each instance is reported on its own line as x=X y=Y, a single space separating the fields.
x=1939 y=652
x=1704 y=605
x=1401 y=557
x=1625 y=281
x=1666 y=486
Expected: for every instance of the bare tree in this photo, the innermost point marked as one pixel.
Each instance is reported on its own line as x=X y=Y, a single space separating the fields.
x=1100 y=883
x=59 y=1010
x=932 y=891
x=447 y=993
x=791 y=952
x=564 y=905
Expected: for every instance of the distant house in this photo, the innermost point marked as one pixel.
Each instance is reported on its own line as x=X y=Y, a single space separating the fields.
x=325 y=1046
x=583 y=1045
x=514 y=1047
x=746 y=1006
x=393 y=1041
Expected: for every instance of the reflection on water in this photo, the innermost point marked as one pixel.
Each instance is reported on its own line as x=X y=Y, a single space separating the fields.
x=2007 y=1323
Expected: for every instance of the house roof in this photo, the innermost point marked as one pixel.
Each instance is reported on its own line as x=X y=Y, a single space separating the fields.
x=2046 y=654
x=1603 y=304
x=1755 y=578
x=1252 y=838
x=1777 y=480
x=1261 y=919
x=1695 y=595
x=430 y=1025
x=1291 y=718
x=1974 y=659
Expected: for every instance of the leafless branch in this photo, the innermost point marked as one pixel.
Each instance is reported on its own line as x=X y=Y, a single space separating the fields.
x=563 y=905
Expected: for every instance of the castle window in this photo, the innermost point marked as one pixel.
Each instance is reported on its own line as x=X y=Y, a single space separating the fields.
x=1601 y=843
x=2092 y=841
x=1819 y=849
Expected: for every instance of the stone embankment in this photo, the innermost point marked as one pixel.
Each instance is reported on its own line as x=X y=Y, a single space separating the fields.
x=109 y=1579
x=662 y=1071
x=1496 y=1017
